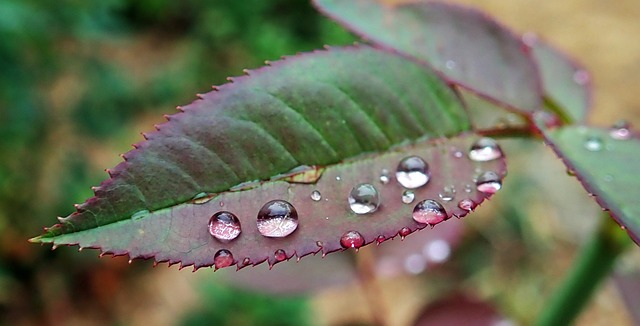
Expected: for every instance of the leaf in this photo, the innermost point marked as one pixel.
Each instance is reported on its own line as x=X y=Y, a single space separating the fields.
x=315 y=109
x=607 y=168
x=465 y=45
x=566 y=82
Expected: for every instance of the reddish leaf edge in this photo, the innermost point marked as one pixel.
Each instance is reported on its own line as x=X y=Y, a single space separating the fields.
x=402 y=233
x=613 y=211
x=524 y=48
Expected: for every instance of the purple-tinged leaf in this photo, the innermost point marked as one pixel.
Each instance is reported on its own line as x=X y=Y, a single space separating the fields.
x=465 y=45
x=606 y=163
x=180 y=234
x=566 y=83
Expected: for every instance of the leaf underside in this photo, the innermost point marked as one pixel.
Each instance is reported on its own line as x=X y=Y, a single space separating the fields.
x=607 y=167
x=314 y=109
x=465 y=45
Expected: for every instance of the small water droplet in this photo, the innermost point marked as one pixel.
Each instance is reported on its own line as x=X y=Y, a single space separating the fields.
x=364 y=199
x=450 y=64
x=223 y=258
x=581 y=77
x=338 y=178
x=221 y=204
x=316 y=195
x=352 y=239
x=277 y=219
x=448 y=193
x=404 y=232
x=246 y=261
x=384 y=176
x=320 y=244
x=429 y=211
x=620 y=130
x=201 y=198
x=485 y=149
x=224 y=226
x=457 y=154
x=467 y=205
x=280 y=255
x=413 y=172
x=139 y=215
x=408 y=196
x=593 y=144
x=380 y=239
x=468 y=188
x=489 y=182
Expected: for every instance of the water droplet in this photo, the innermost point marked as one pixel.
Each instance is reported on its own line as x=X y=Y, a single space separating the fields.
x=224 y=226
x=450 y=64
x=593 y=144
x=141 y=214
x=468 y=188
x=320 y=244
x=201 y=198
x=429 y=211
x=246 y=261
x=223 y=258
x=316 y=195
x=620 y=130
x=380 y=239
x=352 y=239
x=280 y=255
x=581 y=77
x=364 y=199
x=384 y=176
x=485 y=149
x=404 y=232
x=408 y=196
x=412 y=172
x=467 y=205
x=221 y=204
x=277 y=219
x=457 y=154
x=448 y=193
x=338 y=178
x=489 y=182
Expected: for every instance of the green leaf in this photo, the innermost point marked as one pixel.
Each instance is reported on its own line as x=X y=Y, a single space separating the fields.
x=606 y=166
x=463 y=44
x=315 y=109
x=566 y=83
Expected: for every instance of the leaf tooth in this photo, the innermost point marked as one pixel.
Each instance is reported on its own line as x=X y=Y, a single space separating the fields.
x=246 y=72
x=167 y=117
x=326 y=47
x=267 y=62
x=124 y=157
x=230 y=79
x=215 y=88
x=200 y=96
x=144 y=135
x=180 y=108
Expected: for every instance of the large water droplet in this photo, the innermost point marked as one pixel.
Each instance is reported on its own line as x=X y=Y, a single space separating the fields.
x=413 y=172
x=384 y=176
x=429 y=211
x=485 y=149
x=467 y=205
x=280 y=255
x=408 y=196
x=352 y=239
x=277 y=219
x=448 y=193
x=223 y=258
x=224 y=226
x=593 y=144
x=316 y=195
x=489 y=182
x=364 y=199
x=620 y=130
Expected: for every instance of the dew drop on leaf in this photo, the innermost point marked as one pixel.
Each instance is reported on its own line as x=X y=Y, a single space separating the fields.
x=468 y=188
x=384 y=176
x=223 y=258
x=448 y=193
x=485 y=149
x=489 y=182
x=380 y=239
x=450 y=64
x=408 y=196
x=429 y=212
x=352 y=239
x=280 y=255
x=224 y=226
x=413 y=172
x=620 y=130
x=316 y=195
x=593 y=144
x=364 y=199
x=467 y=205
x=277 y=219
x=404 y=232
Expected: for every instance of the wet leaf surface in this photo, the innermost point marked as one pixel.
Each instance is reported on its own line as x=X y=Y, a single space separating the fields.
x=463 y=44
x=606 y=163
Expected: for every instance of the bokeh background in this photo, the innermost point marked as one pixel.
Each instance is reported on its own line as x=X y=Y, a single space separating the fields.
x=79 y=80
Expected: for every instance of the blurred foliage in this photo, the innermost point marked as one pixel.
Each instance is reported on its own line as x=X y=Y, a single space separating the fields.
x=77 y=78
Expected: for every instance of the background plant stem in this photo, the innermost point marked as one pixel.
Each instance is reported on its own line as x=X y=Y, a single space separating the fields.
x=593 y=264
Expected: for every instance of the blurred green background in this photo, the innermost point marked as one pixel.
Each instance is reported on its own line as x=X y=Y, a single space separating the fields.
x=80 y=79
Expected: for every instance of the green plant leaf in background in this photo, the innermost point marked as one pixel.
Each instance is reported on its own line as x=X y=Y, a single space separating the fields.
x=295 y=113
x=606 y=163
